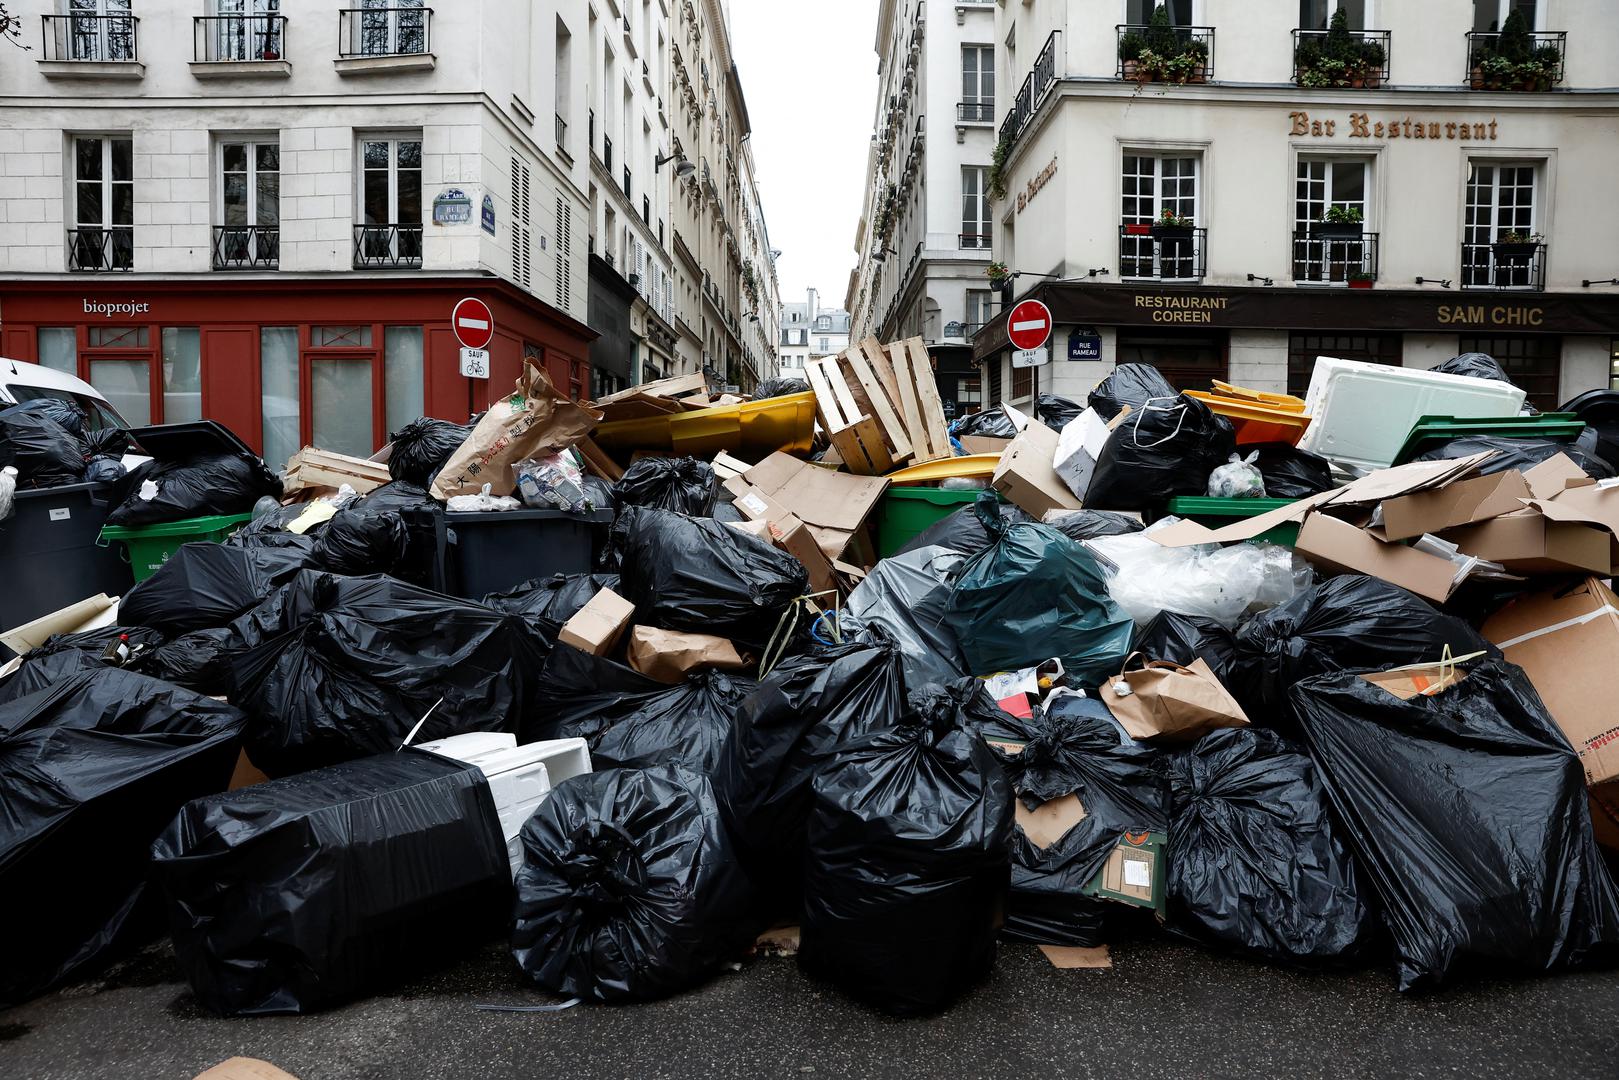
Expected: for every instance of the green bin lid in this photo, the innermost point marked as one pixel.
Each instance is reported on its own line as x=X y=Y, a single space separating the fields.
x=184 y=527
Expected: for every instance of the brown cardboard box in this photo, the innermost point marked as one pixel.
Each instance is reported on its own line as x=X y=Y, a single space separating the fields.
x=1527 y=542
x=1026 y=477
x=598 y=625
x=834 y=505
x=1586 y=503
x=1338 y=545
x=1462 y=503
x=984 y=444
x=242 y=1068
x=668 y=655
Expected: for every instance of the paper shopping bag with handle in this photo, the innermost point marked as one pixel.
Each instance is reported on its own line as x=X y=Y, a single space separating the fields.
x=1170 y=703
x=531 y=422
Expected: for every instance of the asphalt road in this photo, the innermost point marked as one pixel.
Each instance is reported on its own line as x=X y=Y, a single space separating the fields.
x=1163 y=1010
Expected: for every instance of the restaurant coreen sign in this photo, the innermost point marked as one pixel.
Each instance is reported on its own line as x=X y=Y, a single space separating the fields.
x=1359 y=125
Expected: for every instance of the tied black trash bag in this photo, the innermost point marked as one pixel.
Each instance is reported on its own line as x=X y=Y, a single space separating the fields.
x=1257 y=862
x=1346 y=622
x=1291 y=473
x=906 y=865
x=1055 y=411
x=1164 y=448
x=63 y=412
x=1467 y=812
x=198 y=661
x=361 y=542
x=65 y=655
x=548 y=603
x=421 y=448
x=302 y=893
x=903 y=600
x=1091 y=524
x=1475 y=365
x=773 y=388
x=205 y=585
x=962 y=530
x=91 y=770
x=103 y=470
x=336 y=668
x=1522 y=454
x=1133 y=385
x=110 y=442
x=698 y=575
x=990 y=423
x=195 y=487
x=1180 y=639
x=684 y=485
x=784 y=733
x=1075 y=754
x=397 y=495
x=44 y=453
x=632 y=721
x=629 y=889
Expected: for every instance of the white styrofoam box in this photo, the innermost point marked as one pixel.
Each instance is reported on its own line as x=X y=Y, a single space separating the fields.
x=1362 y=413
x=471 y=746
x=515 y=778
x=1079 y=445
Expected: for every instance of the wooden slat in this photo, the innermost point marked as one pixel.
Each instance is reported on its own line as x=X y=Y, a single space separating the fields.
x=878 y=359
x=862 y=448
x=597 y=461
x=827 y=409
x=927 y=394
x=676 y=386
x=899 y=443
x=921 y=444
x=847 y=406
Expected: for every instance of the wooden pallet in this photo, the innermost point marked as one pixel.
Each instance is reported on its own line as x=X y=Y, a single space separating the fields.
x=313 y=468
x=919 y=398
x=853 y=407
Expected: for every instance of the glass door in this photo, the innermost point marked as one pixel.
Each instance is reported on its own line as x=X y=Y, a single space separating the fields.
x=1325 y=253
x=1500 y=208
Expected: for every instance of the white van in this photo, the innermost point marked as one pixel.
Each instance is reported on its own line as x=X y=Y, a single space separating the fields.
x=21 y=381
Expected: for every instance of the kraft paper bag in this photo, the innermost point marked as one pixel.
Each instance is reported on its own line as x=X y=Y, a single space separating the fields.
x=668 y=656
x=531 y=422
x=1170 y=703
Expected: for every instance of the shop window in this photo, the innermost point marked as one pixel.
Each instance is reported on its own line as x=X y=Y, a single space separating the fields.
x=1302 y=349
x=127 y=385
x=1022 y=383
x=340 y=405
x=278 y=376
x=403 y=374
x=340 y=337
x=969 y=394
x=1532 y=361
x=182 y=374
x=1188 y=361
x=993 y=369
x=59 y=349
x=118 y=337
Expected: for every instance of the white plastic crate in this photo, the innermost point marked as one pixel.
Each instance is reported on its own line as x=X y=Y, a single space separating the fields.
x=1361 y=413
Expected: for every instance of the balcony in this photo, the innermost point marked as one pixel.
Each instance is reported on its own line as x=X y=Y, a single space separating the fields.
x=90 y=46
x=1360 y=61
x=975 y=112
x=1149 y=252
x=1180 y=54
x=562 y=134
x=395 y=246
x=247 y=247
x=973 y=241
x=1032 y=92
x=1334 y=260
x=1504 y=265
x=94 y=249
x=379 y=40
x=236 y=46
x=1530 y=63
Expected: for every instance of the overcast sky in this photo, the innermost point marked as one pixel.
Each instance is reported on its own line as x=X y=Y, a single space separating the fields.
x=809 y=74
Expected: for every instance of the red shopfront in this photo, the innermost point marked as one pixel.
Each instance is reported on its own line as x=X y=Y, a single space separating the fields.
x=287 y=364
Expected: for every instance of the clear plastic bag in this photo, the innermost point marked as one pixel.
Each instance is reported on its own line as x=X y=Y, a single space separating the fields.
x=1226 y=584
x=553 y=482
x=483 y=501
x=1238 y=478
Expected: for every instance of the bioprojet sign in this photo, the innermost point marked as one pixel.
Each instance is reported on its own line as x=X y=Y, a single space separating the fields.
x=128 y=309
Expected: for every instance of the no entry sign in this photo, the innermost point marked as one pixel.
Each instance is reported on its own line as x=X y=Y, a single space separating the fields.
x=473 y=323
x=1030 y=325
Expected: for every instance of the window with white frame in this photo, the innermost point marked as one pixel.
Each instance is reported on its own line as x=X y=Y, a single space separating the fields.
x=390 y=201
x=980 y=309
x=1139 y=12
x=99 y=30
x=1500 y=209
x=1317 y=14
x=1490 y=15
x=1152 y=185
x=978 y=83
x=103 y=232
x=975 y=220
x=390 y=27
x=248 y=204
x=247 y=30
x=1331 y=255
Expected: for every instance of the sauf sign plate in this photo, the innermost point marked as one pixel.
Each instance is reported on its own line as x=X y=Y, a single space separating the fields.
x=475 y=363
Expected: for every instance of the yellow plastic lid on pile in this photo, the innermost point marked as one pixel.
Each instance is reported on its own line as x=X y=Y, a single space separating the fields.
x=1257 y=422
x=973 y=466
x=753 y=428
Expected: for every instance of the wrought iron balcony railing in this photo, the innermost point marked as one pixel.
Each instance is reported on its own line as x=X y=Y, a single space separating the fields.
x=1334 y=260
x=975 y=112
x=974 y=241
x=1497 y=64
x=247 y=247
x=390 y=31
x=94 y=248
x=1149 y=252
x=1504 y=265
x=1362 y=61
x=90 y=38
x=1185 y=57
x=394 y=246
x=239 y=37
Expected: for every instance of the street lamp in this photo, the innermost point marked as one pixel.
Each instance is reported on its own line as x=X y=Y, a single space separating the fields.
x=683 y=164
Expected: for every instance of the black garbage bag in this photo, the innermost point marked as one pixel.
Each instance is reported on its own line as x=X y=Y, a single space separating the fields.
x=784 y=733
x=421 y=448
x=1468 y=814
x=1180 y=639
x=990 y=424
x=698 y=575
x=548 y=603
x=1091 y=524
x=1055 y=411
x=1522 y=454
x=599 y=493
x=1076 y=750
x=973 y=707
x=632 y=721
x=1258 y=863
x=1162 y=449
x=773 y=388
x=110 y=442
x=1475 y=365
x=91 y=770
x=63 y=412
x=269 y=529
x=302 y=893
x=903 y=600
x=198 y=661
x=103 y=470
x=397 y=495
x=361 y=542
x=65 y=655
x=906 y=865
x=1346 y=622
x=44 y=453
x=1130 y=384
x=684 y=485
x=630 y=889
x=195 y=487
x=204 y=585
x=1291 y=473
x=962 y=530
x=336 y=668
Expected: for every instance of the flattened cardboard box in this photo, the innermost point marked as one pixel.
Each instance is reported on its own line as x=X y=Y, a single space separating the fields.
x=1527 y=542
x=1465 y=502
x=597 y=626
x=1338 y=545
x=984 y=444
x=833 y=504
x=1026 y=477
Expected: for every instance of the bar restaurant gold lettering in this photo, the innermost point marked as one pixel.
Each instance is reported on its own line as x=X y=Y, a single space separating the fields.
x=1488 y=315
x=1183 y=309
x=1040 y=180
x=1363 y=126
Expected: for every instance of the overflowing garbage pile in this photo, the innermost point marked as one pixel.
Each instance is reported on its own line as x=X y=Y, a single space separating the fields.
x=630 y=683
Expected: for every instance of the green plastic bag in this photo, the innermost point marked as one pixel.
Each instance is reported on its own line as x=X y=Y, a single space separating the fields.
x=1032 y=595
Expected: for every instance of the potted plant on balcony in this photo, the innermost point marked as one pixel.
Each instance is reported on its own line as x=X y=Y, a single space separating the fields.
x=998 y=273
x=1131 y=46
x=1360 y=279
x=1371 y=61
x=1514 y=245
x=1341 y=223
x=1170 y=227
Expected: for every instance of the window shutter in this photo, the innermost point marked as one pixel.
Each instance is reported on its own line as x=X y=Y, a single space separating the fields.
x=564 y=242
x=522 y=225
